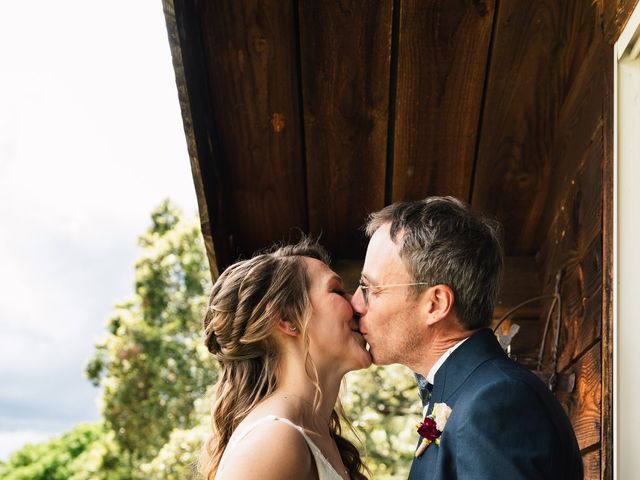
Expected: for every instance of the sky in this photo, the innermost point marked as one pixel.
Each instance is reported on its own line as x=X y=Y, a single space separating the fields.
x=91 y=140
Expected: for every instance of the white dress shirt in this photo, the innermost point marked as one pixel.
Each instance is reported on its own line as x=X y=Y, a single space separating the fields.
x=432 y=373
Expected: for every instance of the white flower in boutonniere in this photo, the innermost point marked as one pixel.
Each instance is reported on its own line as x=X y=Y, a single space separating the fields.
x=432 y=426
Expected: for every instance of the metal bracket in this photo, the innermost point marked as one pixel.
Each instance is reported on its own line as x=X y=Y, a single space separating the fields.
x=564 y=382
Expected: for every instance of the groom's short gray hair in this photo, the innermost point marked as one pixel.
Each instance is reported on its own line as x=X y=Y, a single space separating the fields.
x=442 y=241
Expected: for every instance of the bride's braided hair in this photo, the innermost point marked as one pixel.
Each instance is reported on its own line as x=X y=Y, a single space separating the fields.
x=238 y=327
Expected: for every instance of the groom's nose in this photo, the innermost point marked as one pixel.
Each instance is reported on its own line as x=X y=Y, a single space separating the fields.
x=357 y=303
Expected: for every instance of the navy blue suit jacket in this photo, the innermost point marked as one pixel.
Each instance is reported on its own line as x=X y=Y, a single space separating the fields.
x=504 y=424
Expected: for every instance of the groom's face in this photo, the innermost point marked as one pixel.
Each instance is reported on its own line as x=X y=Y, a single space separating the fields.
x=387 y=314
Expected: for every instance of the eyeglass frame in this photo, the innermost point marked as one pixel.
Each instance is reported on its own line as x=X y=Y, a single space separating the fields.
x=365 y=294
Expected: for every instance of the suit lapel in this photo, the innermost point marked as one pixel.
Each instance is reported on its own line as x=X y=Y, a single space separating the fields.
x=480 y=347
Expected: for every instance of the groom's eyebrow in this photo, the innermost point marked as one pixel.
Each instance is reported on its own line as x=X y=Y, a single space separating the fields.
x=367 y=279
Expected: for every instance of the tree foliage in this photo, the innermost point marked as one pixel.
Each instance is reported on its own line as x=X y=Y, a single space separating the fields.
x=155 y=371
x=383 y=405
x=54 y=459
x=151 y=363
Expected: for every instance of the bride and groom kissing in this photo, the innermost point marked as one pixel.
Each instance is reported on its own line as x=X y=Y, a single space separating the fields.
x=285 y=331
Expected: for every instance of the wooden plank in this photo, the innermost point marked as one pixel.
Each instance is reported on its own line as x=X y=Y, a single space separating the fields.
x=574 y=247
x=520 y=282
x=537 y=50
x=615 y=14
x=345 y=66
x=578 y=129
x=349 y=271
x=607 y=271
x=578 y=217
x=591 y=464
x=583 y=405
x=190 y=70
x=582 y=305
x=251 y=54
x=442 y=55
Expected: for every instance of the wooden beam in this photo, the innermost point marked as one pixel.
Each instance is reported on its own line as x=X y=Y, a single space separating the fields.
x=345 y=52
x=190 y=70
x=442 y=58
x=251 y=54
x=607 y=270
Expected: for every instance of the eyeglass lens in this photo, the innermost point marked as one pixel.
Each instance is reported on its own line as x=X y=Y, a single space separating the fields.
x=365 y=294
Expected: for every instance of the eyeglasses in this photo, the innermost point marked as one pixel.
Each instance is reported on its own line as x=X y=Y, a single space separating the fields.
x=365 y=288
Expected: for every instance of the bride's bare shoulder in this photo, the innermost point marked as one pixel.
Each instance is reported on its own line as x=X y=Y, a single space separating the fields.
x=272 y=450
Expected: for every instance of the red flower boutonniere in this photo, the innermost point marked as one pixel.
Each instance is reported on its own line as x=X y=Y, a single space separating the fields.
x=432 y=426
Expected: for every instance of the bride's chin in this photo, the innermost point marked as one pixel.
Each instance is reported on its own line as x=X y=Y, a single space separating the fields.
x=363 y=361
x=366 y=360
x=364 y=357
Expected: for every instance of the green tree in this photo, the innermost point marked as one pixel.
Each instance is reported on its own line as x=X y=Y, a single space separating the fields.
x=152 y=364
x=51 y=460
x=178 y=458
x=383 y=406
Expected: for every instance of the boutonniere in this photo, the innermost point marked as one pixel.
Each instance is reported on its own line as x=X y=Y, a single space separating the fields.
x=432 y=426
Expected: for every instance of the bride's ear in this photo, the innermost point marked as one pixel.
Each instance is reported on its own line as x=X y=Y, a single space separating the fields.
x=288 y=328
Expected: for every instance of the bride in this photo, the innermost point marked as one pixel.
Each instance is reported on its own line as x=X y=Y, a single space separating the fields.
x=283 y=331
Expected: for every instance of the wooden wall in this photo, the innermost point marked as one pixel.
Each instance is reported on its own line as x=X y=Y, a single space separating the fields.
x=547 y=129
x=542 y=146
x=565 y=127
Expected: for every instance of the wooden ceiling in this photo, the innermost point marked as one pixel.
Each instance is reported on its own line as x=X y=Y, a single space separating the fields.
x=308 y=115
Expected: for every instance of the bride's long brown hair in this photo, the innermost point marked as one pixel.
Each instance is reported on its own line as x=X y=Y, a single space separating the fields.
x=238 y=326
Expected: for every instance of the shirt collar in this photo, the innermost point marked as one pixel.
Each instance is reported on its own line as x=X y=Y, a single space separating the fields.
x=432 y=373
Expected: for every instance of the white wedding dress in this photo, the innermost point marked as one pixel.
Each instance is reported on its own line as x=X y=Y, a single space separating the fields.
x=325 y=469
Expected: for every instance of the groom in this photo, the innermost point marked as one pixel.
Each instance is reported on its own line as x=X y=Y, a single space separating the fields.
x=429 y=283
